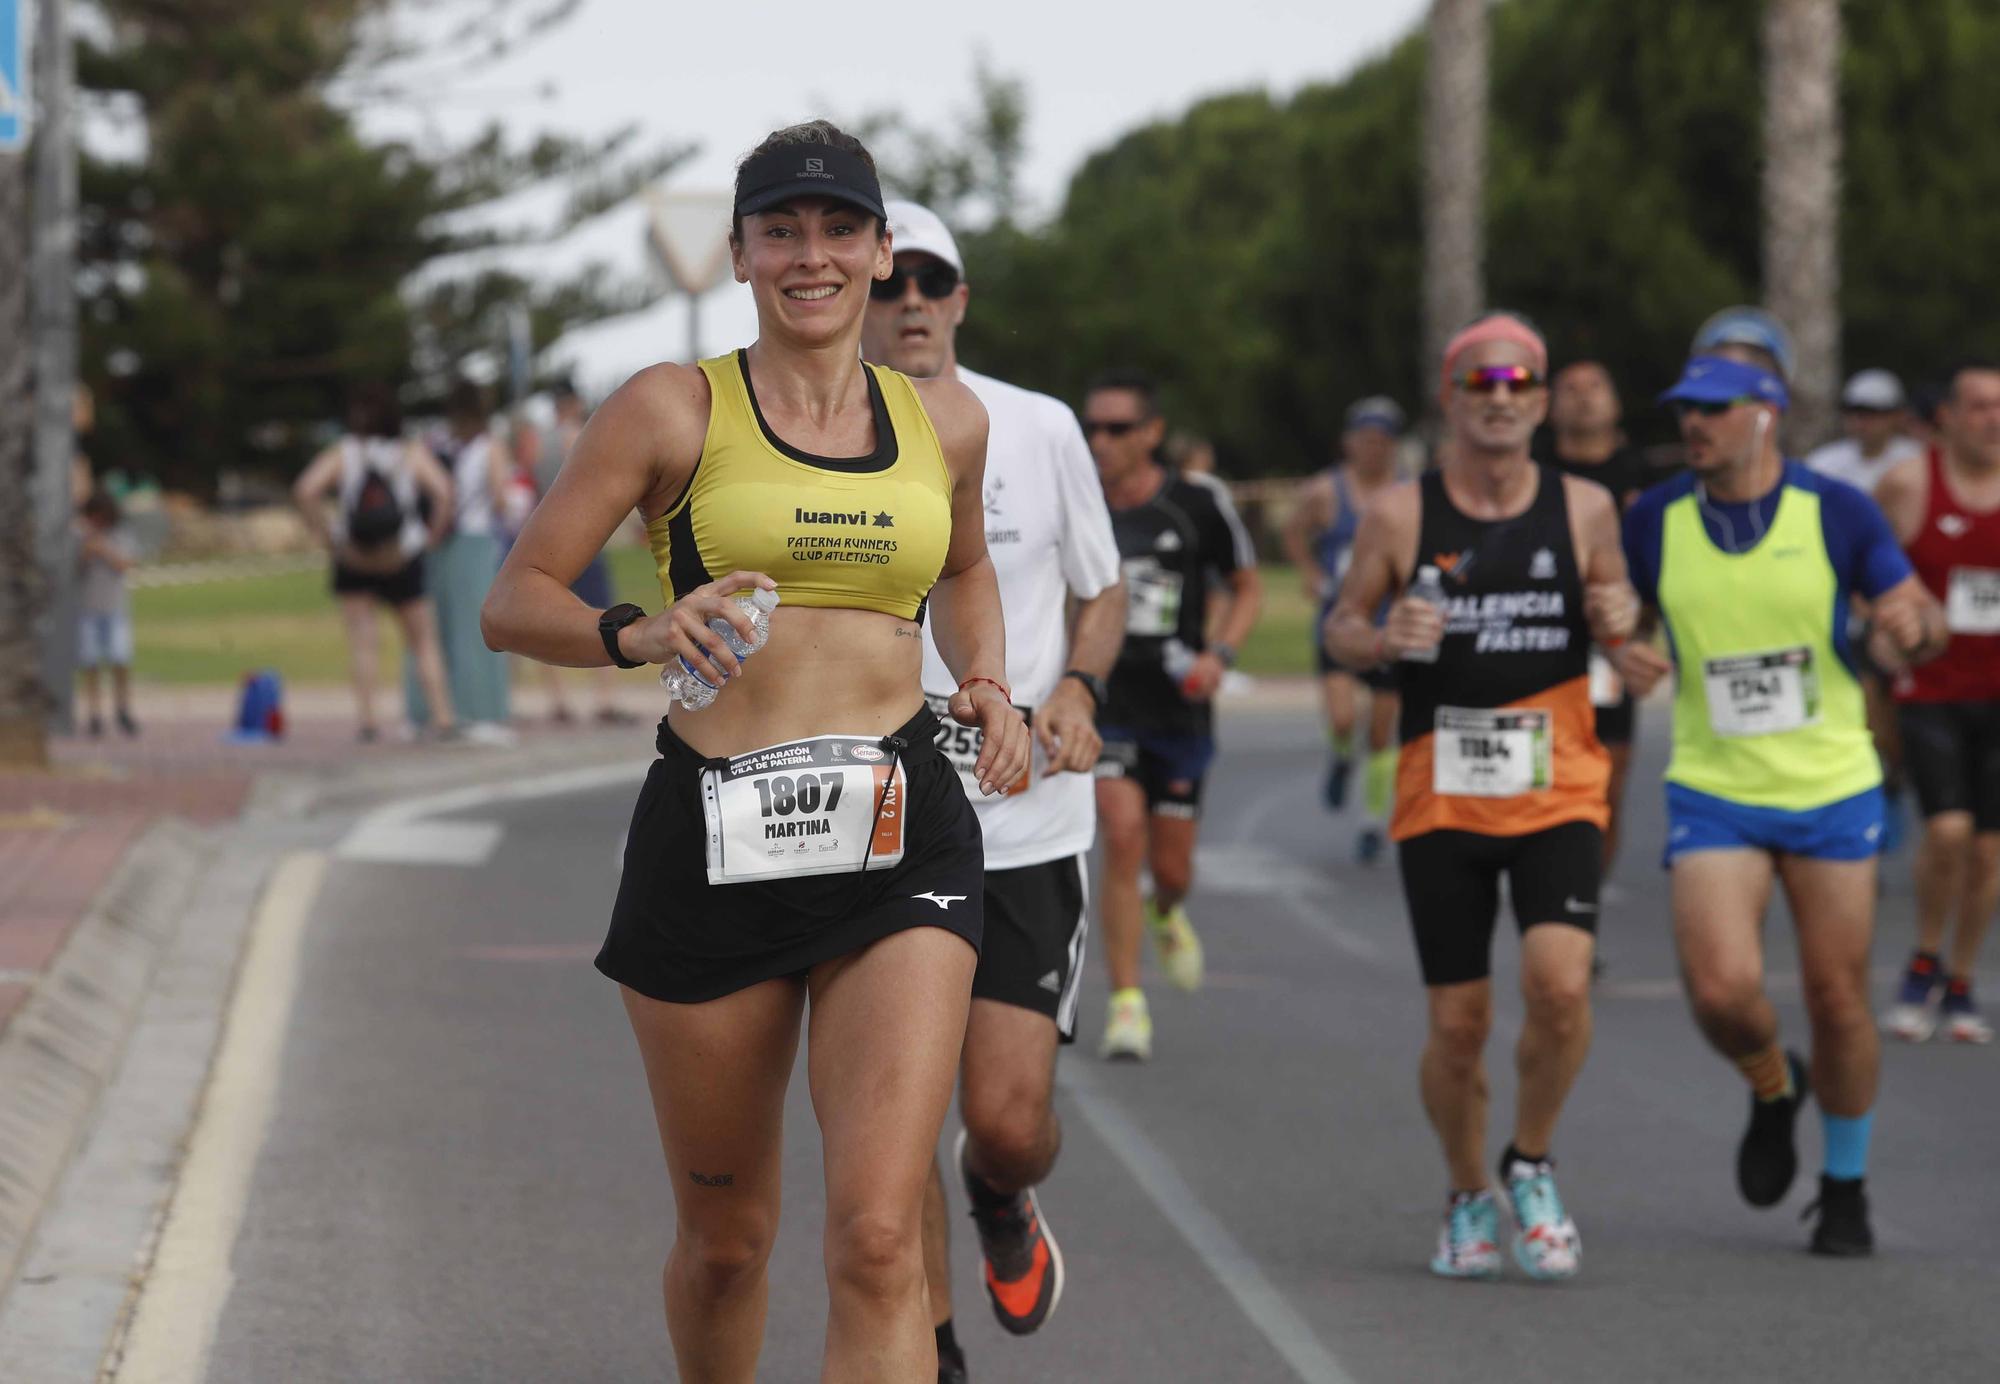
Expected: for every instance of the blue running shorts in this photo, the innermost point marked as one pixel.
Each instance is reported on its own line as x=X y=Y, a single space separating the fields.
x=1850 y=829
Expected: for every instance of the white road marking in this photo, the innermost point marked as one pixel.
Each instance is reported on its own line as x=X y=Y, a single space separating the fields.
x=1220 y=1252
x=397 y=832
x=465 y=844
x=188 y=1281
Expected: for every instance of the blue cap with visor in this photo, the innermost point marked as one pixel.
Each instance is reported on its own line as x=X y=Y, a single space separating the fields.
x=1718 y=380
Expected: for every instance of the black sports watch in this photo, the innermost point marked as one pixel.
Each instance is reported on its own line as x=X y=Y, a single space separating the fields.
x=612 y=621
x=1225 y=653
x=1092 y=684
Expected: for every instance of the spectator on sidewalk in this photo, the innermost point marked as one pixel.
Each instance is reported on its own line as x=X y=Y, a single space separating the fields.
x=378 y=537
x=461 y=568
x=105 y=553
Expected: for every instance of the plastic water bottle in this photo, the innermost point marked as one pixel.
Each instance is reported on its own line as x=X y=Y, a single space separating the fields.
x=690 y=688
x=1428 y=587
x=1178 y=659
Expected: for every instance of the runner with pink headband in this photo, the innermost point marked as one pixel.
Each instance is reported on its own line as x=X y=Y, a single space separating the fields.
x=1496 y=326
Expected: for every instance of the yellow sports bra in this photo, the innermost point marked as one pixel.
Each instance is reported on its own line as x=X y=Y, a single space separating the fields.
x=859 y=533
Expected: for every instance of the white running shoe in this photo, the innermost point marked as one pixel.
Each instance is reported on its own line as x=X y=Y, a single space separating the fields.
x=1175 y=943
x=1469 y=1240
x=1128 y=1029
x=1547 y=1245
x=1913 y=1023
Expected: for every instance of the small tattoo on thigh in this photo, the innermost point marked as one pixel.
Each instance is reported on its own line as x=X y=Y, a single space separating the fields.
x=713 y=1179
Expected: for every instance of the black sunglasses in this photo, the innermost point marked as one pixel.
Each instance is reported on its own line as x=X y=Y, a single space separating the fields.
x=933 y=281
x=1708 y=408
x=1111 y=427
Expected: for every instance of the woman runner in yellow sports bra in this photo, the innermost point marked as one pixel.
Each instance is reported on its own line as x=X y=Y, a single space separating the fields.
x=800 y=845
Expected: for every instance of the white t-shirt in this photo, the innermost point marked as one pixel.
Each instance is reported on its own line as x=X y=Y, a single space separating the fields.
x=1843 y=461
x=472 y=486
x=1049 y=534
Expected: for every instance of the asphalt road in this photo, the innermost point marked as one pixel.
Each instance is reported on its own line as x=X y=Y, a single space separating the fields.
x=461 y=1180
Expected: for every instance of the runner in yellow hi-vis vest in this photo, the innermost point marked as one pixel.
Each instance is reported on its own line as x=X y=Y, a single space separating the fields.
x=1751 y=560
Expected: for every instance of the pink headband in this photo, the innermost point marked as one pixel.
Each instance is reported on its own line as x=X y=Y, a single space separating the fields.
x=1498 y=326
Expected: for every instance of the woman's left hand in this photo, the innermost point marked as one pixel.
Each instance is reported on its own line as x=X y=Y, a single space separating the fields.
x=1004 y=743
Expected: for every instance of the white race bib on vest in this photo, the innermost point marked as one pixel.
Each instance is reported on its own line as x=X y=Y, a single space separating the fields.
x=1152 y=598
x=1762 y=694
x=1500 y=753
x=828 y=805
x=962 y=744
x=1972 y=601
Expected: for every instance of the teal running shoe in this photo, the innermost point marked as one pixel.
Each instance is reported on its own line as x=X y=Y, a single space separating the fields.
x=1546 y=1246
x=1469 y=1241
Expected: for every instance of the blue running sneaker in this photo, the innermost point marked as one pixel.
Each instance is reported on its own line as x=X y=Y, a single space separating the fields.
x=1369 y=845
x=1546 y=1246
x=1963 y=1022
x=1914 y=1016
x=1469 y=1240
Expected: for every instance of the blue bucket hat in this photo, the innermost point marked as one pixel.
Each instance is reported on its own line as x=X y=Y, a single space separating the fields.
x=1716 y=380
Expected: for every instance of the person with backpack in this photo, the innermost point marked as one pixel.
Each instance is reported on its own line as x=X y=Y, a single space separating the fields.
x=378 y=535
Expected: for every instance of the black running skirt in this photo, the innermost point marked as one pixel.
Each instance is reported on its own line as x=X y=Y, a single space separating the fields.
x=676 y=937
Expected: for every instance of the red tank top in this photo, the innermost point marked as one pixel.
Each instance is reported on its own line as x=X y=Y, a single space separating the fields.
x=1957 y=555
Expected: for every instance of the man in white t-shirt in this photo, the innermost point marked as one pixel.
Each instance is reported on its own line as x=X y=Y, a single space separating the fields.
x=1049 y=534
x=1871 y=415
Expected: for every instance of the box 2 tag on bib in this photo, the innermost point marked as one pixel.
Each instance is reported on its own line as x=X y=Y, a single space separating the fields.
x=1761 y=694
x=1972 y=601
x=1499 y=753
x=833 y=804
x=961 y=745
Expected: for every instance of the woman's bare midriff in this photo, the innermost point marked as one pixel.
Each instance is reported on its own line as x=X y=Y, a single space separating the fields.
x=823 y=672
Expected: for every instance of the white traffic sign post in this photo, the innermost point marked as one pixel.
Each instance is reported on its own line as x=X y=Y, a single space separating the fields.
x=688 y=233
x=13 y=75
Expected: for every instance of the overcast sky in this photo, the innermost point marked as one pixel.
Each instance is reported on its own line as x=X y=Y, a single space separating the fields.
x=722 y=75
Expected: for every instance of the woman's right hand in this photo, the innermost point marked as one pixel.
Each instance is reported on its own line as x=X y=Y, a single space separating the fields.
x=681 y=630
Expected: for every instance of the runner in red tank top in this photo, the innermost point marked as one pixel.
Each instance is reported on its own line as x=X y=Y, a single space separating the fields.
x=1945 y=510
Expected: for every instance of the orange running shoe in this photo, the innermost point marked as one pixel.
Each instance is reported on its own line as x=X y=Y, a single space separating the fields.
x=1024 y=1266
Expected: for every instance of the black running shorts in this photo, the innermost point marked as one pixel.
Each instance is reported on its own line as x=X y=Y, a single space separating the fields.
x=1171 y=768
x=1451 y=881
x=1036 y=922
x=676 y=937
x=398 y=588
x=1951 y=754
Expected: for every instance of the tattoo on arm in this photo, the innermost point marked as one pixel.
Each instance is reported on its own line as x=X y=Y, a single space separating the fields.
x=713 y=1179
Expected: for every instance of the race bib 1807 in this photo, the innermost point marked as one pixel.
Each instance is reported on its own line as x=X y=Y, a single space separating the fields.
x=1152 y=598
x=961 y=745
x=1761 y=694
x=1972 y=601
x=823 y=806
x=1498 y=753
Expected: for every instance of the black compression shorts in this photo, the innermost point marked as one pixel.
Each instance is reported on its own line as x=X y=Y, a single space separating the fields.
x=1451 y=881
x=1951 y=754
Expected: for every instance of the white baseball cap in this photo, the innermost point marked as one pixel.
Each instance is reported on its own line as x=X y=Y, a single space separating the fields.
x=1875 y=390
x=918 y=228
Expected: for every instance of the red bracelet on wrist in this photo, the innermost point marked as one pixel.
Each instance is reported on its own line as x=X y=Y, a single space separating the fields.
x=994 y=682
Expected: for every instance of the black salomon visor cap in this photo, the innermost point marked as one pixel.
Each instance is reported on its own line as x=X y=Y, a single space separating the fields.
x=807 y=170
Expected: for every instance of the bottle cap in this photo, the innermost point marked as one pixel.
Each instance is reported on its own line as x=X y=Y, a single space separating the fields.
x=766 y=601
x=1427 y=573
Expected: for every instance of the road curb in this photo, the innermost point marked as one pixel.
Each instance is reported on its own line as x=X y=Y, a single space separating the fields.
x=69 y=1038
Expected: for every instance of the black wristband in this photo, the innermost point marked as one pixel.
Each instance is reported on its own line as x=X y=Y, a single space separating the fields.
x=1225 y=653
x=1092 y=684
x=612 y=621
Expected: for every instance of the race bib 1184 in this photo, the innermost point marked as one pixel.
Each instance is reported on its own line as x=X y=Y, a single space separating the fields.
x=1497 y=753
x=823 y=806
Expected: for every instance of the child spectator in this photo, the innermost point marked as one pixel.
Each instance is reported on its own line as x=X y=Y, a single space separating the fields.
x=104 y=624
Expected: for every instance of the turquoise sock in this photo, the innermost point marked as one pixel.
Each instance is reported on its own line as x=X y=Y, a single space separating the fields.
x=1847 y=1144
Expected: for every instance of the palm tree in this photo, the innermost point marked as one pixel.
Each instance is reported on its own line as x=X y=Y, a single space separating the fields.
x=1802 y=45
x=22 y=736
x=1455 y=85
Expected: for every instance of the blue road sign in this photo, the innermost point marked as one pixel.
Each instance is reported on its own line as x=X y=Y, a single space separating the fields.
x=13 y=73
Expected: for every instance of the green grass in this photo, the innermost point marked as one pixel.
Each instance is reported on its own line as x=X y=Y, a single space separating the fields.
x=214 y=632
